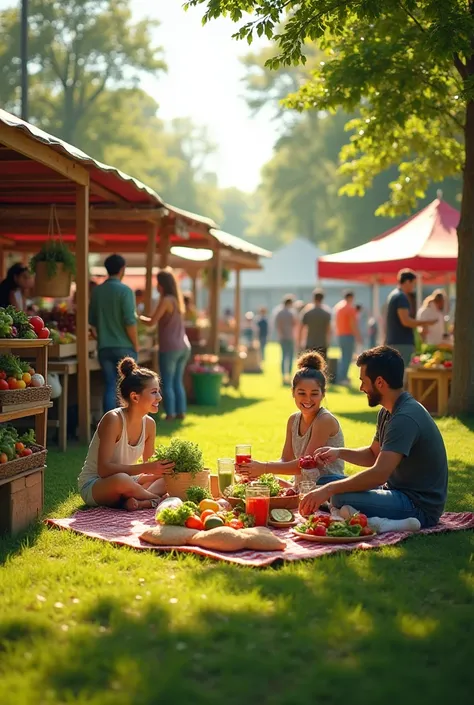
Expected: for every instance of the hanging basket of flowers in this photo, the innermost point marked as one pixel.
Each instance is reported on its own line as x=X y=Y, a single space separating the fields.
x=54 y=265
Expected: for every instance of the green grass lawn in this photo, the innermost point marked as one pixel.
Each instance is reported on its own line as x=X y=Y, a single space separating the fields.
x=84 y=622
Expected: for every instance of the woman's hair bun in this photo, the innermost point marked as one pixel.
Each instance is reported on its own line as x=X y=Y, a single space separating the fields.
x=312 y=360
x=127 y=366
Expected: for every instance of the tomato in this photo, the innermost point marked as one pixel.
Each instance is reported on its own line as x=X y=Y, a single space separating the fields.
x=290 y=492
x=25 y=452
x=235 y=524
x=3 y=375
x=206 y=513
x=366 y=531
x=194 y=522
x=323 y=519
x=42 y=334
x=19 y=447
x=360 y=519
x=26 y=378
x=37 y=323
x=319 y=530
x=12 y=382
x=310 y=532
x=3 y=458
x=3 y=385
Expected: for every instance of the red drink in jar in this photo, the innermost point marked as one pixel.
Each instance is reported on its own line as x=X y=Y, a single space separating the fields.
x=243 y=459
x=257 y=503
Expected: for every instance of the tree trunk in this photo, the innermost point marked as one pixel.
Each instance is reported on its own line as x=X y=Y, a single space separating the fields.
x=462 y=388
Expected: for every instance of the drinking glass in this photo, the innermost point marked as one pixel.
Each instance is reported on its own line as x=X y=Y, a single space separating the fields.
x=257 y=503
x=225 y=474
x=243 y=453
x=305 y=487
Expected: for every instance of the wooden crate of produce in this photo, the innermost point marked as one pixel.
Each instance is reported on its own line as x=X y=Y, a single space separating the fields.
x=59 y=351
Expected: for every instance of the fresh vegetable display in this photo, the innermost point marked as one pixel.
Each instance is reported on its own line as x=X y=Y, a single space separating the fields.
x=432 y=357
x=18 y=374
x=13 y=445
x=208 y=515
x=16 y=324
x=276 y=490
x=186 y=455
x=325 y=525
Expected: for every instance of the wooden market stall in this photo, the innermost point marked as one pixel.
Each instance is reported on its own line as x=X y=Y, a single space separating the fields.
x=98 y=209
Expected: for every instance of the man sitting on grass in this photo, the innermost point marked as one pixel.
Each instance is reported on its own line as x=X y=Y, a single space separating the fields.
x=407 y=476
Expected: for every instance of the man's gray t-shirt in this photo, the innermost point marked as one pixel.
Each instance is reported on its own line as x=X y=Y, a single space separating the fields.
x=318 y=320
x=423 y=471
x=397 y=333
x=285 y=324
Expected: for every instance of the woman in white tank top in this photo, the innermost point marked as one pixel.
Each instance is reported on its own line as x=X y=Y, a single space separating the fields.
x=310 y=428
x=110 y=475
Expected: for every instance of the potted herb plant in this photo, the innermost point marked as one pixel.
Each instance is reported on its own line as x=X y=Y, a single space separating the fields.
x=188 y=469
x=54 y=266
x=207 y=375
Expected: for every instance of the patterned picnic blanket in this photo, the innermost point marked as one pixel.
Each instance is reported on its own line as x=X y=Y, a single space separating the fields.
x=124 y=528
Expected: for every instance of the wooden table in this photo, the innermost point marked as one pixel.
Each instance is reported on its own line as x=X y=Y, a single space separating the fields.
x=68 y=367
x=431 y=386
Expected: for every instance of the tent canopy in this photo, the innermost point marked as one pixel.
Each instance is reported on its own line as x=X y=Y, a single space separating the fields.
x=427 y=243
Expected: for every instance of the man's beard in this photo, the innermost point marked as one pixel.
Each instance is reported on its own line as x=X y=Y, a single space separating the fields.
x=374 y=398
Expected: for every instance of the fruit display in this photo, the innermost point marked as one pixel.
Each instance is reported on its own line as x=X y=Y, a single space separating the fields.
x=209 y=514
x=326 y=526
x=14 y=446
x=16 y=324
x=433 y=357
x=61 y=319
x=18 y=374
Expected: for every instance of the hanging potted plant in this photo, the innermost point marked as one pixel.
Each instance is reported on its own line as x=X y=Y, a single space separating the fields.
x=54 y=266
x=209 y=274
x=188 y=469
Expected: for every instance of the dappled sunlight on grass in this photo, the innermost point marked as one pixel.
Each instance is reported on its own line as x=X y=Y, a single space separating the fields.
x=413 y=625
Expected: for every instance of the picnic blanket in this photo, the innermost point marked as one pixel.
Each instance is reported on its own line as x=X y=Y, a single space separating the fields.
x=124 y=528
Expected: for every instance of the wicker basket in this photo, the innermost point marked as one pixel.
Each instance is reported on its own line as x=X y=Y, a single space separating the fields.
x=58 y=287
x=31 y=462
x=31 y=395
x=177 y=483
x=275 y=502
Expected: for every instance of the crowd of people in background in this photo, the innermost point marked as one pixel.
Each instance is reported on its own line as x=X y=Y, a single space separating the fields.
x=299 y=326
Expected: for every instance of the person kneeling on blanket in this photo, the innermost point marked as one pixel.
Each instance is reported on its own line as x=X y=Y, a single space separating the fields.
x=407 y=476
x=110 y=476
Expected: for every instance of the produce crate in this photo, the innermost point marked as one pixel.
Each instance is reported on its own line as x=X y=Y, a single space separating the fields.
x=31 y=462
x=58 y=351
x=21 y=500
x=28 y=397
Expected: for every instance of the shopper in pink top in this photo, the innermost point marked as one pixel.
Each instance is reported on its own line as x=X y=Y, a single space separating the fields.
x=347 y=331
x=173 y=342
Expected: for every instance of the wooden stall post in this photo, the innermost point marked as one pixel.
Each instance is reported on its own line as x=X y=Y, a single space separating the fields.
x=82 y=305
x=215 y=296
x=237 y=308
x=164 y=245
x=150 y=259
x=2 y=264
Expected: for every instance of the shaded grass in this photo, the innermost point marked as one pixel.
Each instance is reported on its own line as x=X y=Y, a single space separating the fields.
x=85 y=622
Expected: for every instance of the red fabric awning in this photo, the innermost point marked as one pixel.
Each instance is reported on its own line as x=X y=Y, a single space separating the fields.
x=427 y=243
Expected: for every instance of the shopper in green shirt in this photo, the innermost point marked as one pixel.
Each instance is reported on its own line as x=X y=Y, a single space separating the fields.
x=113 y=317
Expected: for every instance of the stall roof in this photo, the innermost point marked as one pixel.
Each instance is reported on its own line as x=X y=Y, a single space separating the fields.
x=237 y=243
x=41 y=178
x=427 y=242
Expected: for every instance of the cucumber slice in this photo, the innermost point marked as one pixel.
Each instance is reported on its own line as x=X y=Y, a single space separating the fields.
x=281 y=515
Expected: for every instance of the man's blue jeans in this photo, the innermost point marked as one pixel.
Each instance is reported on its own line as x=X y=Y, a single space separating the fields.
x=287 y=352
x=388 y=504
x=172 y=365
x=109 y=358
x=347 y=345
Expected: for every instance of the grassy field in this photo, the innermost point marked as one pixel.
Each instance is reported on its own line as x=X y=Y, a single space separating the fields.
x=85 y=622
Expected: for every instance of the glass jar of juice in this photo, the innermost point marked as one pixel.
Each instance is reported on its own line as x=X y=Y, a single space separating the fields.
x=243 y=453
x=257 y=503
x=225 y=474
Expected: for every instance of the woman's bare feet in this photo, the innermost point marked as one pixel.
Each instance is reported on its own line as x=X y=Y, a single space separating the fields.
x=132 y=504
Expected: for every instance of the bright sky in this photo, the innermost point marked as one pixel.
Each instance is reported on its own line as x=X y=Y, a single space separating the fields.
x=204 y=82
